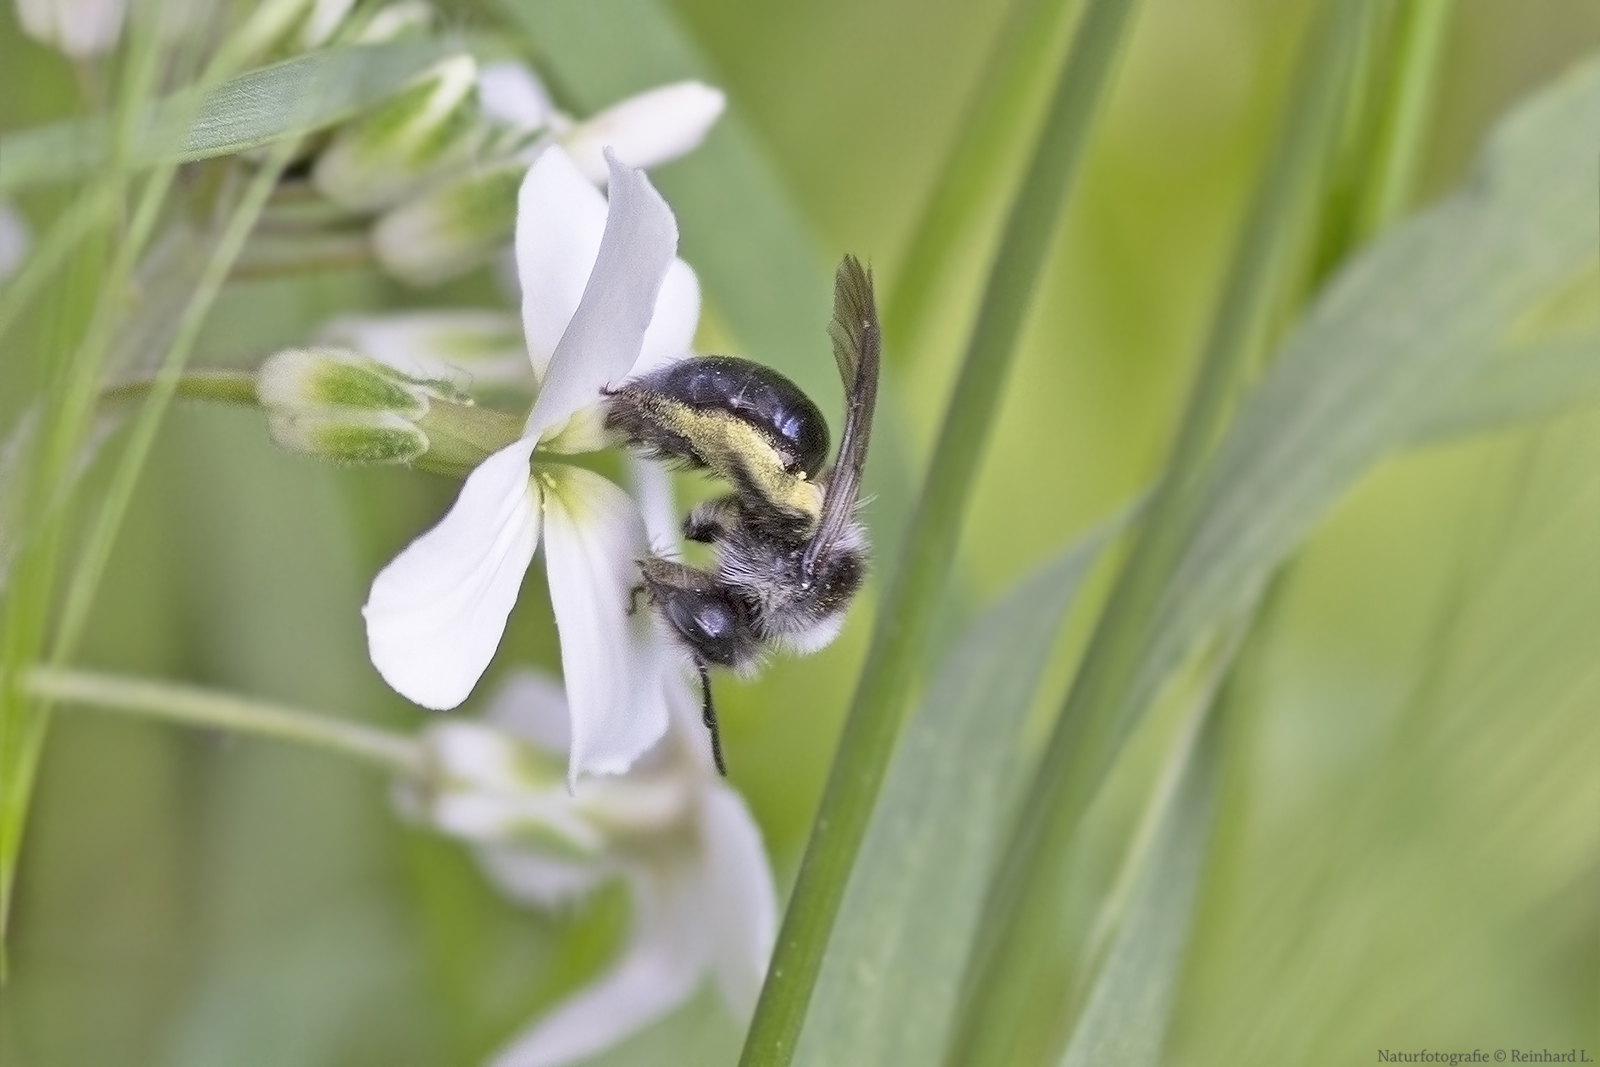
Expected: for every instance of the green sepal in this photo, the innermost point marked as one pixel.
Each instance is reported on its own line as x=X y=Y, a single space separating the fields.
x=462 y=435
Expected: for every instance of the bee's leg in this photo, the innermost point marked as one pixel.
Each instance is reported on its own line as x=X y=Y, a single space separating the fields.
x=633 y=598
x=708 y=522
x=708 y=715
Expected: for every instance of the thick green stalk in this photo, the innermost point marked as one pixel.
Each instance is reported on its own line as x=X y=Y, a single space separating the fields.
x=1408 y=105
x=208 y=709
x=906 y=615
x=999 y=116
x=1011 y=975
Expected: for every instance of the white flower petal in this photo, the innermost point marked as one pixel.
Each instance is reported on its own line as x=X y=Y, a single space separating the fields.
x=437 y=611
x=647 y=129
x=653 y=490
x=533 y=878
x=603 y=341
x=512 y=95
x=479 y=346
x=79 y=28
x=658 y=971
x=612 y=662
x=739 y=897
x=676 y=315
x=14 y=240
x=533 y=706
x=561 y=220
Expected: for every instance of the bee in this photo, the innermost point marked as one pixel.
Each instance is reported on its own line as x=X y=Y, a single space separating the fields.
x=788 y=553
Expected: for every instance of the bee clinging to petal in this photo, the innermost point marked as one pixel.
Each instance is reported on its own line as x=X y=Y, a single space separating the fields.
x=789 y=554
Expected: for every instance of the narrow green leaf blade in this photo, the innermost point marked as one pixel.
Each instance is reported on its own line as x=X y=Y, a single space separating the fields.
x=288 y=99
x=892 y=971
x=1407 y=323
x=1125 y=1018
x=1527 y=386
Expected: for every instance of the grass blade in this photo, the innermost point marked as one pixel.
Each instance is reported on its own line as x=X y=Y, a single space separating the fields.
x=288 y=99
x=1526 y=386
x=891 y=976
x=1125 y=1017
x=1007 y=979
x=1408 y=322
x=910 y=605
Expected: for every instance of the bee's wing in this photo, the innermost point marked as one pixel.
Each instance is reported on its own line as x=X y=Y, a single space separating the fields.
x=857 y=347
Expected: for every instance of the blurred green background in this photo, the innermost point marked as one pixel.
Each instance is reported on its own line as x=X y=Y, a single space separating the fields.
x=1409 y=845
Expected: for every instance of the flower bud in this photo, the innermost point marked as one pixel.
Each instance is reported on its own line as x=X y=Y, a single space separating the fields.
x=409 y=18
x=337 y=405
x=352 y=437
x=452 y=229
x=313 y=379
x=340 y=405
x=377 y=161
x=82 y=29
x=645 y=130
x=322 y=20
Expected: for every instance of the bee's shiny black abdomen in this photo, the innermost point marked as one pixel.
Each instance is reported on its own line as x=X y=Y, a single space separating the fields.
x=753 y=393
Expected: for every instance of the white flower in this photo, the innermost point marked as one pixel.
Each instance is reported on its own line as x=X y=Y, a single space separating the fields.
x=512 y=95
x=703 y=900
x=603 y=297
x=644 y=130
x=464 y=347
x=81 y=29
x=459 y=224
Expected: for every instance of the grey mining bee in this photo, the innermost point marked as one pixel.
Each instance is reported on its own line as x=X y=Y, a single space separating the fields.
x=789 y=553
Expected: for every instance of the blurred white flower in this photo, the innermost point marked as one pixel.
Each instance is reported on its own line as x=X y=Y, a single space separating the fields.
x=15 y=240
x=81 y=29
x=460 y=223
x=513 y=95
x=464 y=347
x=701 y=887
x=603 y=297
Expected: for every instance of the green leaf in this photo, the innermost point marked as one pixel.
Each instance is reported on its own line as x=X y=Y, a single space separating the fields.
x=1125 y=1018
x=1525 y=386
x=288 y=99
x=890 y=979
x=1409 y=321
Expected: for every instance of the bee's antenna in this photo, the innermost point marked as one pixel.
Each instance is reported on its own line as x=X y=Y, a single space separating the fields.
x=708 y=715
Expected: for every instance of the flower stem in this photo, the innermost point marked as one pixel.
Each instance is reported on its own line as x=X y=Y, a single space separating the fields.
x=219 y=386
x=908 y=611
x=208 y=708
